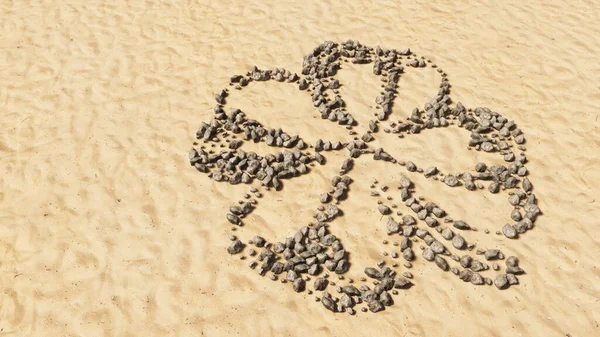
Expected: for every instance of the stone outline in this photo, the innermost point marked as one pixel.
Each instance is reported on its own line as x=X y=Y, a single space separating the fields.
x=305 y=252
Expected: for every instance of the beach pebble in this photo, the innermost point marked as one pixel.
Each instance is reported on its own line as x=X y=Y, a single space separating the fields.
x=461 y=225
x=258 y=241
x=492 y=254
x=458 y=242
x=235 y=247
x=428 y=254
x=375 y=306
x=509 y=231
x=450 y=180
x=328 y=303
x=384 y=210
x=501 y=281
x=441 y=263
x=299 y=285
x=431 y=171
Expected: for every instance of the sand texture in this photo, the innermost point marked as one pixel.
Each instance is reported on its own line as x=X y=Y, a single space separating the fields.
x=106 y=229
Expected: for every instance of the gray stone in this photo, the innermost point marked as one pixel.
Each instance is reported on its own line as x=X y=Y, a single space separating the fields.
x=384 y=210
x=321 y=283
x=428 y=254
x=235 y=247
x=461 y=225
x=372 y=273
x=408 y=254
x=478 y=266
x=512 y=261
x=527 y=187
x=501 y=281
x=492 y=254
x=375 y=306
x=465 y=261
x=437 y=247
x=450 y=180
x=431 y=171
x=328 y=303
x=408 y=220
x=392 y=226
x=458 y=242
x=441 y=263
x=509 y=231
x=476 y=279
x=402 y=283
x=258 y=241
x=346 y=301
x=447 y=233
x=299 y=285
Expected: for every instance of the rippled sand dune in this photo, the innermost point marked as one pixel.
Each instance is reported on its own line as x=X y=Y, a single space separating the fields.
x=106 y=230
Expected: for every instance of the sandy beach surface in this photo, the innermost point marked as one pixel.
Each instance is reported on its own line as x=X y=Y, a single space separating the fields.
x=106 y=229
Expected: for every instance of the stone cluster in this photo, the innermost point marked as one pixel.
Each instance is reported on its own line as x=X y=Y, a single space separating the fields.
x=314 y=250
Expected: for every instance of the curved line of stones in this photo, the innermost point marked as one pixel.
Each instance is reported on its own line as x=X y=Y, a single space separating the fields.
x=307 y=250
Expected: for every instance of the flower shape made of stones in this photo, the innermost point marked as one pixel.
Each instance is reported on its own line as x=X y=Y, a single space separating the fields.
x=314 y=249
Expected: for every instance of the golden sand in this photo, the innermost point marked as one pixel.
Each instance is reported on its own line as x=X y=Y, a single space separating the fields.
x=105 y=229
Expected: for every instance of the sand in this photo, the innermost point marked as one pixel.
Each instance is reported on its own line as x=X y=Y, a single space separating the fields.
x=105 y=229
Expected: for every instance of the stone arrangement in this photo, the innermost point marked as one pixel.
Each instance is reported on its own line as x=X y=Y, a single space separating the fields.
x=314 y=251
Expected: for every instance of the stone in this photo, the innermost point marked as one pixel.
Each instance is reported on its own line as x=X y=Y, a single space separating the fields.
x=494 y=188
x=372 y=273
x=321 y=283
x=512 y=279
x=480 y=167
x=447 y=233
x=461 y=225
x=509 y=231
x=428 y=254
x=408 y=254
x=465 y=275
x=441 y=263
x=384 y=210
x=450 y=180
x=431 y=171
x=527 y=187
x=258 y=241
x=437 y=247
x=478 y=266
x=347 y=166
x=375 y=306
x=392 y=226
x=299 y=285
x=346 y=301
x=501 y=281
x=492 y=254
x=476 y=279
x=386 y=299
x=402 y=283
x=458 y=242
x=235 y=247
x=512 y=261
x=438 y=212
x=408 y=220
x=328 y=303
